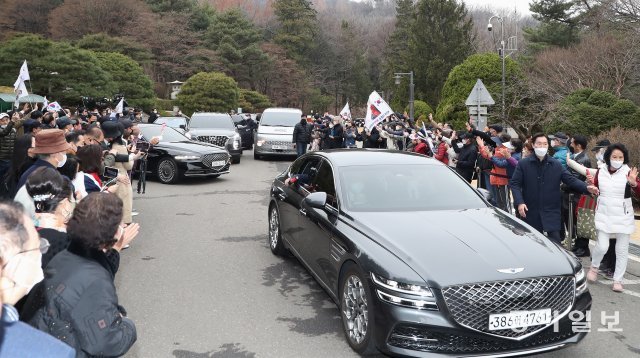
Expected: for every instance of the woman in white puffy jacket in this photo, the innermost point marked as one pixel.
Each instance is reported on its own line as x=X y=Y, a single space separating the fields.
x=614 y=216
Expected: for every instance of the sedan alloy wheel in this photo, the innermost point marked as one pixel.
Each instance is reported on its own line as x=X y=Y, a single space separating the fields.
x=275 y=239
x=355 y=311
x=168 y=171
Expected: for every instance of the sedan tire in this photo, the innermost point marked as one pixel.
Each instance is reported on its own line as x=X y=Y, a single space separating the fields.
x=167 y=171
x=275 y=238
x=355 y=309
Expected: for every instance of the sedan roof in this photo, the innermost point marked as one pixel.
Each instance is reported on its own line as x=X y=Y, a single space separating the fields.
x=348 y=157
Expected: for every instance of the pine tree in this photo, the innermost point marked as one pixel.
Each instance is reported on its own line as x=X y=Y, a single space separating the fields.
x=560 y=22
x=396 y=53
x=298 y=28
x=441 y=37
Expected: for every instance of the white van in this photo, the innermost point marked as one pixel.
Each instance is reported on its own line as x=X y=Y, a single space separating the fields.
x=275 y=133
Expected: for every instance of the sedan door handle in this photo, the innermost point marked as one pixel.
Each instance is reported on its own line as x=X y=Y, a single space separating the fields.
x=282 y=196
x=303 y=212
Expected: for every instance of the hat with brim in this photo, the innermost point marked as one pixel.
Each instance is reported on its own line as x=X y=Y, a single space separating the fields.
x=601 y=144
x=51 y=141
x=508 y=145
x=111 y=129
x=4 y=115
x=561 y=137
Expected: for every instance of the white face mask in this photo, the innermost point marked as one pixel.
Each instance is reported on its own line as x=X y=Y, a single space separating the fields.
x=616 y=164
x=460 y=145
x=541 y=152
x=63 y=161
x=25 y=270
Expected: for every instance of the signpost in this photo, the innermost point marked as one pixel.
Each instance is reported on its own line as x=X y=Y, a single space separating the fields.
x=478 y=97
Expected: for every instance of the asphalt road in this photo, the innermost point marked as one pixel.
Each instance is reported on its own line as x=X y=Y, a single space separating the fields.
x=201 y=282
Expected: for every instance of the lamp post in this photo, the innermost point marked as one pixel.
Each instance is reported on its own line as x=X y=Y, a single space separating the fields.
x=398 y=77
x=501 y=52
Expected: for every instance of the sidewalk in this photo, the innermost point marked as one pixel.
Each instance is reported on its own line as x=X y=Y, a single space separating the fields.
x=634 y=248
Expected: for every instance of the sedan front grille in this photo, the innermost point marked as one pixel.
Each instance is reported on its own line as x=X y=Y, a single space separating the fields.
x=423 y=338
x=208 y=160
x=471 y=305
x=219 y=140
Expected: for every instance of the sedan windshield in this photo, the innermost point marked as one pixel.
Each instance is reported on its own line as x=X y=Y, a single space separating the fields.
x=222 y=121
x=280 y=119
x=168 y=134
x=173 y=122
x=382 y=188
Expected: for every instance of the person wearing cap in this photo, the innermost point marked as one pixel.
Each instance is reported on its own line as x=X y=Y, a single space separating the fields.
x=51 y=148
x=66 y=124
x=560 y=149
x=599 y=150
x=467 y=157
x=498 y=176
x=113 y=132
x=578 y=147
x=536 y=189
x=8 y=136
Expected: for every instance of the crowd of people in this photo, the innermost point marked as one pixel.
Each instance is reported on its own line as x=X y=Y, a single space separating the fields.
x=64 y=219
x=542 y=179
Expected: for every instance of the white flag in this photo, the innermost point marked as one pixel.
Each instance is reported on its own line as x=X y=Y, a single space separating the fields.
x=346 y=112
x=54 y=107
x=45 y=102
x=23 y=76
x=21 y=90
x=377 y=110
x=120 y=107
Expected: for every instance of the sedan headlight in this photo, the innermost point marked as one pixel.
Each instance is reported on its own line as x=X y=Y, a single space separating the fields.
x=260 y=143
x=404 y=294
x=187 y=157
x=581 y=282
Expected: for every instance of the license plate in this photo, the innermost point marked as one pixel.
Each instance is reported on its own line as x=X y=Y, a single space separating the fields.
x=280 y=147
x=519 y=319
x=218 y=163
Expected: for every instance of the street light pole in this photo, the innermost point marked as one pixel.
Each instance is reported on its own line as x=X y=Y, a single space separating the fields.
x=397 y=77
x=502 y=54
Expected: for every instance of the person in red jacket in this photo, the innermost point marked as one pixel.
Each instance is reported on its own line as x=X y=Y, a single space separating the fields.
x=420 y=145
x=441 y=148
x=499 y=178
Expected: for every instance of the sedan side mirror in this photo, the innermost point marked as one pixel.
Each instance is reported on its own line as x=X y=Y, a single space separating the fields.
x=485 y=193
x=316 y=200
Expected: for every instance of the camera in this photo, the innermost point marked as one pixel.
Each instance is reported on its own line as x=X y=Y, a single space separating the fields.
x=489 y=27
x=110 y=172
x=143 y=146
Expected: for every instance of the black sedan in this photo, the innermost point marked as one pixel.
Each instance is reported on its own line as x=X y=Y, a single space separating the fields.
x=419 y=263
x=176 y=156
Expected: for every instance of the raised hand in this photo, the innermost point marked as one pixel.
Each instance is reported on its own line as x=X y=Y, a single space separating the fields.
x=633 y=177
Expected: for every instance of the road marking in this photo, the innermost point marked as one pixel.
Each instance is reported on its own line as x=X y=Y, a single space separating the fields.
x=624 y=281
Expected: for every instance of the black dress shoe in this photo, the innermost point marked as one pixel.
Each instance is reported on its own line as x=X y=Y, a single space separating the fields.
x=582 y=252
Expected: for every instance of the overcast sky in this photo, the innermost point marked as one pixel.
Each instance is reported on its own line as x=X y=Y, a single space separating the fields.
x=521 y=5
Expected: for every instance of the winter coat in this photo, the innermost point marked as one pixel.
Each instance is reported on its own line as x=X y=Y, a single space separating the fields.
x=7 y=141
x=560 y=153
x=441 y=153
x=614 y=211
x=537 y=184
x=337 y=133
x=421 y=148
x=124 y=191
x=466 y=164
x=372 y=140
x=350 y=138
x=583 y=159
x=77 y=303
x=499 y=171
x=302 y=133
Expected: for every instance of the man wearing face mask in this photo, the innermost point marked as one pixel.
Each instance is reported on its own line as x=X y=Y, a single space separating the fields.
x=20 y=254
x=51 y=148
x=535 y=186
x=467 y=157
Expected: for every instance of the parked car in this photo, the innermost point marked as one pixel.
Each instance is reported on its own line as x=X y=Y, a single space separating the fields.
x=424 y=267
x=275 y=132
x=181 y=124
x=177 y=156
x=247 y=132
x=217 y=129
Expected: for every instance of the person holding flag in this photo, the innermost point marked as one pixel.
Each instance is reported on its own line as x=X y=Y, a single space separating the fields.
x=346 y=112
x=19 y=87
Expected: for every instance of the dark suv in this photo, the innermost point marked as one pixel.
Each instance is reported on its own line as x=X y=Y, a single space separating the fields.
x=217 y=129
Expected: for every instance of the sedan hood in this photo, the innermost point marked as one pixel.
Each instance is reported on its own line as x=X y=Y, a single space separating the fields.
x=191 y=146
x=456 y=247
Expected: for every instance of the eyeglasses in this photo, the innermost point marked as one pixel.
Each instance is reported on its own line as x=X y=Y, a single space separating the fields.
x=44 y=247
